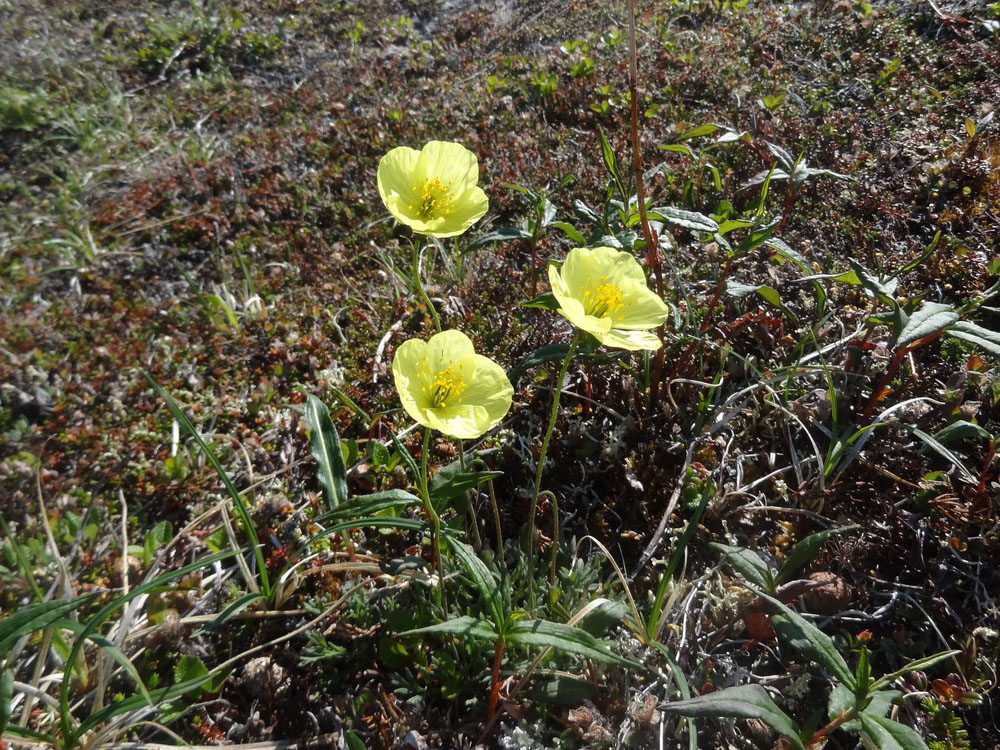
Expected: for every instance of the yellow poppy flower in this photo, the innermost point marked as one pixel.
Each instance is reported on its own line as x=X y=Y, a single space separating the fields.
x=445 y=385
x=433 y=191
x=603 y=291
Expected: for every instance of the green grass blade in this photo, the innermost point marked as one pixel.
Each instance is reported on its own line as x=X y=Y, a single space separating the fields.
x=66 y=717
x=238 y=503
x=35 y=618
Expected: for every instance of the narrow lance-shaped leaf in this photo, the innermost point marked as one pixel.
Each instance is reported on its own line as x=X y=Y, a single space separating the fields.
x=976 y=334
x=542 y=633
x=35 y=618
x=324 y=443
x=692 y=220
x=748 y=564
x=806 y=549
x=891 y=735
x=6 y=697
x=810 y=641
x=914 y=666
x=369 y=505
x=484 y=581
x=462 y=627
x=611 y=163
x=741 y=702
x=842 y=700
x=931 y=318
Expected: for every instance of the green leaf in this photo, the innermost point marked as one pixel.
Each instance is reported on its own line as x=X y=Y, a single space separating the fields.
x=482 y=578
x=544 y=301
x=542 y=633
x=692 y=220
x=541 y=356
x=741 y=702
x=842 y=700
x=914 y=666
x=938 y=448
x=324 y=443
x=810 y=641
x=570 y=231
x=231 y=609
x=748 y=564
x=586 y=211
x=924 y=255
x=462 y=627
x=602 y=616
x=501 y=234
x=883 y=287
x=959 y=430
x=6 y=697
x=805 y=550
x=377 y=502
x=768 y=293
x=931 y=318
x=354 y=742
x=36 y=617
x=759 y=236
x=844 y=277
x=696 y=132
x=159 y=698
x=190 y=668
x=611 y=163
x=891 y=735
x=403 y=524
x=564 y=690
x=729 y=225
x=238 y=503
x=976 y=334
x=679 y=148
x=155 y=697
x=451 y=482
x=784 y=158
x=116 y=653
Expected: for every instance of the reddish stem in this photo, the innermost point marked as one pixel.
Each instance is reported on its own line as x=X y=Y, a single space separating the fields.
x=890 y=373
x=495 y=682
x=984 y=476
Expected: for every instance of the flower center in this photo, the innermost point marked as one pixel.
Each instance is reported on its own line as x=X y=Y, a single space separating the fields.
x=447 y=386
x=431 y=199
x=604 y=300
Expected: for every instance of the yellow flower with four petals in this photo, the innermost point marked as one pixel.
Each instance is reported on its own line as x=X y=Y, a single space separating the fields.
x=603 y=291
x=433 y=191
x=443 y=384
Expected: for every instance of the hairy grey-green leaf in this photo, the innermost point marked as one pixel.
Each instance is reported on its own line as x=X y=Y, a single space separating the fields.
x=929 y=319
x=741 y=702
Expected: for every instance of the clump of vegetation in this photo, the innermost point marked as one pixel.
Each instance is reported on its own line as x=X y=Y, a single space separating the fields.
x=435 y=374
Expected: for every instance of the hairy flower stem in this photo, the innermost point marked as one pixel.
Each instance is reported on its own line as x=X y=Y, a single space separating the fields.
x=652 y=250
x=470 y=512
x=440 y=598
x=541 y=468
x=415 y=270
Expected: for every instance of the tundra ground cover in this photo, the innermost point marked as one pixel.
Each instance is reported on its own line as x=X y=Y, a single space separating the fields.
x=203 y=295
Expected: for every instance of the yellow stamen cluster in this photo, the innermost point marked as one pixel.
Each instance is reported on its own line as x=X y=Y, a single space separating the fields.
x=432 y=199
x=448 y=384
x=604 y=300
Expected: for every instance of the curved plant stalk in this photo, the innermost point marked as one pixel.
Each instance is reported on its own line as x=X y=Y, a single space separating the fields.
x=425 y=495
x=541 y=467
x=419 y=286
